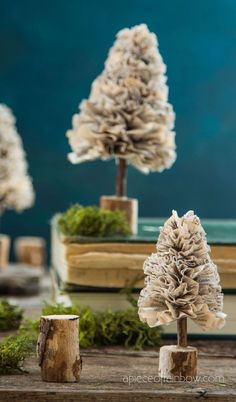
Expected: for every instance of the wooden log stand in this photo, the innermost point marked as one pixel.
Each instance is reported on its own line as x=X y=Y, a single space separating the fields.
x=178 y=362
x=128 y=205
x=58 y=348
x=30 y=251
x=4 y=250
x=120 y=201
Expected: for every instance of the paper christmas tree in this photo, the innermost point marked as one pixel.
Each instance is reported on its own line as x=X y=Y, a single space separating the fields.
x=181 y=279
x=16 y=190
x=127 y=115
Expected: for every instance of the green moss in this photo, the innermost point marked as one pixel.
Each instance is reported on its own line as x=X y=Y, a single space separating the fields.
x=109 y=327
x=10 y=316
x=96 y=329
x=93 y=221
x=13 y=352
x=124 y=328
x=30 y=328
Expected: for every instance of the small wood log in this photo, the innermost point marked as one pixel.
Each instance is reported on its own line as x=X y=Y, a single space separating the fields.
x=4 y=250
x=178 y=363
x=128 y=205
x=58 y=348
x=30 y=250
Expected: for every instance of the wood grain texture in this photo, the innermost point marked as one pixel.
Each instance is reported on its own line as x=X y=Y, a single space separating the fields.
x=178 y=363
x=115 y=374
x=58 y=348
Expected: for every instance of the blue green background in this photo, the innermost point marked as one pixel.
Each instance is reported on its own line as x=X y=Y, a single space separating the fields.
x=51 y=51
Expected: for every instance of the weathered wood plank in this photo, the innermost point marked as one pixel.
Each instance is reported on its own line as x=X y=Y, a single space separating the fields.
x=114 y=374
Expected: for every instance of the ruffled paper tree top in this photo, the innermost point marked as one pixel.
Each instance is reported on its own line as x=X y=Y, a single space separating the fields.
x=127 y=115
x=16 y=190
x=181 y=279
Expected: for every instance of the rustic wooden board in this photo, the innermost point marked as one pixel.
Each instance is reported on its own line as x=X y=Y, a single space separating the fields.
x=105 y=372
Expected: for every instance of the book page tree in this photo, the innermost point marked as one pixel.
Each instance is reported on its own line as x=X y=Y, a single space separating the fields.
x=181 y=282
x=16 y=190
x=127 y=115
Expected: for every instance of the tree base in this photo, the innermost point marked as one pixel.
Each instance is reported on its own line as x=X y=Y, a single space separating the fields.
x=4 y=250
x=178 y=363
x=30 y=251
x=128 y=205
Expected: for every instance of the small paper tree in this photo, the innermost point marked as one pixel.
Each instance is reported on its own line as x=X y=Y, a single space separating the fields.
x=181 y=281
x=127 y=115
x=16 y=190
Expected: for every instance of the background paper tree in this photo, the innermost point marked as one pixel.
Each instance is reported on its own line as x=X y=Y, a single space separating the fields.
x=127 y=115
x=16 y=191
x=181 y=279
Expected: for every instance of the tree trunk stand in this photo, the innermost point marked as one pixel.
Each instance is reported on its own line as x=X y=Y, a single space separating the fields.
x=30 y=250
x=128 y=205
x=4 y=250
x=58 y=348
x=178 y=362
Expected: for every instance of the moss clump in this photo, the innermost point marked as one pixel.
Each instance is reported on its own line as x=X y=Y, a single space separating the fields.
x=10 y=316
x=93 y=221
x=124 y=328
x=109 y=327
x=13 y=352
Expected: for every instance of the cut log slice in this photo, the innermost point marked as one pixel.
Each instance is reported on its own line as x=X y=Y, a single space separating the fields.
x=128 y=205
x=178 y=363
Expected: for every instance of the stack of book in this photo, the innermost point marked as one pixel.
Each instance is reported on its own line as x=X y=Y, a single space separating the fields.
x=118 y=263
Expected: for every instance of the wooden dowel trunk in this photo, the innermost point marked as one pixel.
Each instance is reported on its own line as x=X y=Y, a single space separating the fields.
x=58 y=348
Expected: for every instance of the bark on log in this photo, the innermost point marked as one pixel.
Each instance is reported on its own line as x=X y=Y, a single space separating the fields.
x=30 y=250
x=128 y=205
x=58 y=348
x=178 y=363
x=4 y=250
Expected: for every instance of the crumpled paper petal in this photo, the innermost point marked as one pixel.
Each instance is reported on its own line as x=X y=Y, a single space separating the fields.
x=181 y=279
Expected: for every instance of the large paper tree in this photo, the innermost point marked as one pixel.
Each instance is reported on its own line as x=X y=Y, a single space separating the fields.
x=16 y=191
x=127 y=115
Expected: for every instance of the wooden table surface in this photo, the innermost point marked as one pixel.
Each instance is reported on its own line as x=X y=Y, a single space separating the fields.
x=117 y=374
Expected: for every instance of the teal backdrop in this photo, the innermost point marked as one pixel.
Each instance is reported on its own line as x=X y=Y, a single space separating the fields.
x=51 y=51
